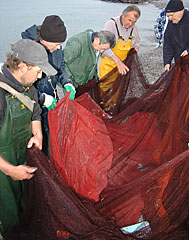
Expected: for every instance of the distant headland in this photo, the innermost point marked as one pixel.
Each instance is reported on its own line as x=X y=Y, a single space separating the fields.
x=129 y=1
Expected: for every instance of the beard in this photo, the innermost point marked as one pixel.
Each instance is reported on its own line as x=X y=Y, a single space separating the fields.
x=24 y=81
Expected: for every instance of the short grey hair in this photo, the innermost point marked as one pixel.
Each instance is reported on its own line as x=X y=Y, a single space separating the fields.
x=130 y=9
x=106 y=37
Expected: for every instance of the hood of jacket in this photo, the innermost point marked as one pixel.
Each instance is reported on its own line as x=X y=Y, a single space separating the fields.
x=30 y=33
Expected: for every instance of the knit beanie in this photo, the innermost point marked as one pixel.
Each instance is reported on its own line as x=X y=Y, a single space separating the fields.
x=53 y=29
x=174 y=6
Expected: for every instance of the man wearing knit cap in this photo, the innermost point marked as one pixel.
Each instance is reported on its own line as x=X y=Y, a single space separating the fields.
x=176 y=38
x=51 y=34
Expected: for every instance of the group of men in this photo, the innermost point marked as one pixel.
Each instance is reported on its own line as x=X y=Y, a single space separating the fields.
x=38 y=60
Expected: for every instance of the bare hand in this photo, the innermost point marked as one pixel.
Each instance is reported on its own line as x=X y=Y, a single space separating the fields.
x=35 y=141
x=21 y=172
x=167 y=67
x=136 y=48
x=184 y=53
x=122 y=68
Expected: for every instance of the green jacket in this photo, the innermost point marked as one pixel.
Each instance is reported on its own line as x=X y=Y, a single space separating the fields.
x=80 y=58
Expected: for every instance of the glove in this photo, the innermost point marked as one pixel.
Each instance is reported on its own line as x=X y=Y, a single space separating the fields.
x=70 y=88
x=49 y=101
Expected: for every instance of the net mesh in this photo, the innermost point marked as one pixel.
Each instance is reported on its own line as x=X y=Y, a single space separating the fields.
x=111 y=169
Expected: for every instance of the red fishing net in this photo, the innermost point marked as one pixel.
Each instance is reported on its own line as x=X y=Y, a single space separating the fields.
x=128 y=166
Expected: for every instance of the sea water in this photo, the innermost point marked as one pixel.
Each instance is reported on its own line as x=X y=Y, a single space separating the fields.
x=78 y=15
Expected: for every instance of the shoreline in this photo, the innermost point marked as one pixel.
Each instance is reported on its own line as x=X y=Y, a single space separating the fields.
x=158 y=3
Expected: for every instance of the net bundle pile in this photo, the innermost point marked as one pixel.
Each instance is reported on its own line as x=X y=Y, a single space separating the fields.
x=119 y=157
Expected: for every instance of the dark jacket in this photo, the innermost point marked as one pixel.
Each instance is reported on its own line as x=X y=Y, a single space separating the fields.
x=176 y=39
x=56 y=59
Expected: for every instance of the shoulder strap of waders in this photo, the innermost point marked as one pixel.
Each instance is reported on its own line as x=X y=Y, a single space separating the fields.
x=24 y=99
x=117 y=29
x=131 y=37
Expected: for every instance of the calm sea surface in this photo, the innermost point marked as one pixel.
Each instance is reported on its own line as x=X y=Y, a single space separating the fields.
x=78 y=15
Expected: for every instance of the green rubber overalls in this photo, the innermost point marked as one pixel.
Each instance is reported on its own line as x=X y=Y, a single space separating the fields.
x=14 y=135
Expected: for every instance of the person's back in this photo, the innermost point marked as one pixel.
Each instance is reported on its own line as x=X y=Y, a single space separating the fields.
x=160 y=26
x=82 y=51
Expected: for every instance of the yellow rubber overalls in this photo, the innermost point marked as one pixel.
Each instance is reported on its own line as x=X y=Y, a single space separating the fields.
x=121 y=50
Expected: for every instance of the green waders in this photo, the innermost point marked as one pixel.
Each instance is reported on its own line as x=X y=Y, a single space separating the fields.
x=14 y=135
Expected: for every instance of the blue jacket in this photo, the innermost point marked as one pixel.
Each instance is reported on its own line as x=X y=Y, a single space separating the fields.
x=176 y=39
x=160 y=25
x=56 y=59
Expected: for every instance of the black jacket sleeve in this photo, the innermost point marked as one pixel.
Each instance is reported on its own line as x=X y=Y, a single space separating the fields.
x=36 y=116
x=168 y=48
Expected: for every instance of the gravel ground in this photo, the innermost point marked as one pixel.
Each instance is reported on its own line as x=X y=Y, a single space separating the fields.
x=152 y=63
x=160 y=3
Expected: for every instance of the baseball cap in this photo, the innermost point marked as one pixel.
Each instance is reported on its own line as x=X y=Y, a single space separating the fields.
x=30 y=51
